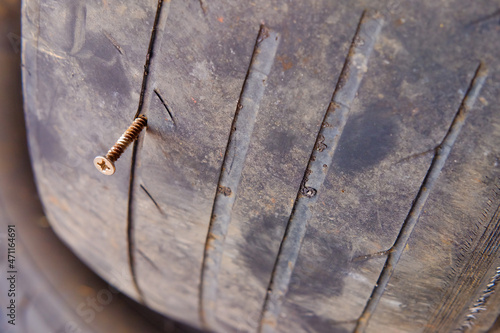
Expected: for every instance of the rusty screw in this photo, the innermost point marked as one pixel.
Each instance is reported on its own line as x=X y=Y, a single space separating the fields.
x=106 y=164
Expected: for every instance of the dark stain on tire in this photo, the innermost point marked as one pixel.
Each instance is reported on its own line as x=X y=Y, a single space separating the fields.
x=280 y=144
x=324 y=261
x=315 y=323
x=368 y=138
x=259 y=236
x=102 y=67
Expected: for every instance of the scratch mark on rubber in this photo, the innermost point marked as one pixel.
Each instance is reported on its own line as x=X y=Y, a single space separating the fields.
x=79 y=28
x=491 y=16
x=151 y=197
x=321 y=158
x=114 y=42
x=156 y=34
x=417 y=155
x=457 y=295
x=371 y=256
x=203 y=6
x=157 y=92
x=437 y=164
x=151 y=262
x=234 y=160
x=51 y=53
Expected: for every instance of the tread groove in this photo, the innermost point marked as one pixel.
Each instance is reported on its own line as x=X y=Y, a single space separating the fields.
x=321 y=158
x=144 y=103
x=149 y=76
x=437 y=164
x=234 y=160
x=130 y=231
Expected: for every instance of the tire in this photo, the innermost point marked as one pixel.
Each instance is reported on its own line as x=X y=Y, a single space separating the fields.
x=307 y=166
x=44 y=287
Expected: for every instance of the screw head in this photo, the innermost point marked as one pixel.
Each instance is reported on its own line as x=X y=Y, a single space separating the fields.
x=104 y=165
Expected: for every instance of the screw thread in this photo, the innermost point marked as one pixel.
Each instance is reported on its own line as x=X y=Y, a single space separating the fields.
x=130 y=135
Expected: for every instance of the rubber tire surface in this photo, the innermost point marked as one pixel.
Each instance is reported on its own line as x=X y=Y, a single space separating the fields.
x=191 y=66
x=52 y=289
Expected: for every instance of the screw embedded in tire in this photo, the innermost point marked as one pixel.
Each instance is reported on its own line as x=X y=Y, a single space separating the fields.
x=106 y=164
